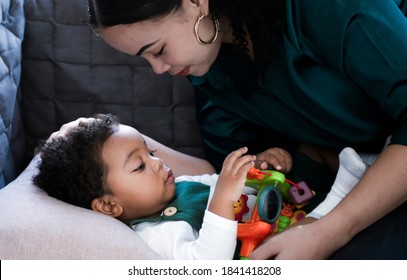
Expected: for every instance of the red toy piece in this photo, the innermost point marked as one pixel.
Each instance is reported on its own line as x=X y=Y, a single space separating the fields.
x=240 y=207
x=256 y=174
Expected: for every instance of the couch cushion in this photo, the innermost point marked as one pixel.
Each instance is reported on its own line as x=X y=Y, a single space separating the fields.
x=36 y=226
x=11 y=34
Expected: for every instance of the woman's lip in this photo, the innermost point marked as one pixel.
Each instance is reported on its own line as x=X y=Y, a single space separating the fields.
x=183 y=72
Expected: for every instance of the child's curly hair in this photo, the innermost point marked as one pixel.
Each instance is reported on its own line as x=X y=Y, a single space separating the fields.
x=71 y=167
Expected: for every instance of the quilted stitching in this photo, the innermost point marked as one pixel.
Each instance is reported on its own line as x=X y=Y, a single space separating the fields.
x=68 y=73
x=11 y=34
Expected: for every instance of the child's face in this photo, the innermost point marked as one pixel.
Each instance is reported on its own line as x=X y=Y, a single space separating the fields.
x=140 y=182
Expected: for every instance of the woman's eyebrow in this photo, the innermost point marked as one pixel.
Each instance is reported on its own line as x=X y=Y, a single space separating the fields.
x=140 y=52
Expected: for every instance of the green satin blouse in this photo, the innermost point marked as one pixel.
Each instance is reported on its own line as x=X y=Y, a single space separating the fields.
x=339 y=78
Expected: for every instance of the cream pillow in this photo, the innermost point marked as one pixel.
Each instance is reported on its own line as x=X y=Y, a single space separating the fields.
x=36 y=226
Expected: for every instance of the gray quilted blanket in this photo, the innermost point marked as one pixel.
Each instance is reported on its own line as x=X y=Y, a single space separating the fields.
x=11 y=36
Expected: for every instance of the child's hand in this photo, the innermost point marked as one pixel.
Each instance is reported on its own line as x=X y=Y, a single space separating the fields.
x=233 y=174
x=231 y=182
x=275 y=158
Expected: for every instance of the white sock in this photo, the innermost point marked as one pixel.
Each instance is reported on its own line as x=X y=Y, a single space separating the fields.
x=351 y=169
x=368 y=159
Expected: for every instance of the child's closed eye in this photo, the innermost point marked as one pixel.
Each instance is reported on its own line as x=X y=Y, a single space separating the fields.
x=140 y=167
x=152 y=153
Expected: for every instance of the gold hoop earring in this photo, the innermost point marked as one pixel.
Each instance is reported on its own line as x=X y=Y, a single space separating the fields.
x=215 y=36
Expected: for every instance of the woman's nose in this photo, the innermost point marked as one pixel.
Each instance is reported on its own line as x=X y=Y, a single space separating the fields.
x=159 y=66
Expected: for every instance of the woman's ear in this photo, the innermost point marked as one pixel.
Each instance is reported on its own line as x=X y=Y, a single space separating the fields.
x=107 y=206
x=200 y=3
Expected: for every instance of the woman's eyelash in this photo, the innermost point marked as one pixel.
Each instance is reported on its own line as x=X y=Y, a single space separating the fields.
x=152 y=153
x=160 y=52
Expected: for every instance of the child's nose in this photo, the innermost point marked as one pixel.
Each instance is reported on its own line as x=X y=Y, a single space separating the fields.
x=157 y=164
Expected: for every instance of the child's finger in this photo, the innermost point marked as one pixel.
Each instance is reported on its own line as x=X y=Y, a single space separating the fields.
x=233 y=156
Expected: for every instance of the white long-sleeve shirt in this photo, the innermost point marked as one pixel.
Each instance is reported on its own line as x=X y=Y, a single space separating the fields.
x=178 y=240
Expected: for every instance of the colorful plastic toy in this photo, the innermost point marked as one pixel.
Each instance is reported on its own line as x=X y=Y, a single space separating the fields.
x=254 y=231
x=275 y=207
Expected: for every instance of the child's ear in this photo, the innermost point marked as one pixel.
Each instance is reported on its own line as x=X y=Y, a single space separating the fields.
x=107 y=206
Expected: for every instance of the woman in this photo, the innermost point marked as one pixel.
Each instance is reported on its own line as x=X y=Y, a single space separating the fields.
x=329 y=73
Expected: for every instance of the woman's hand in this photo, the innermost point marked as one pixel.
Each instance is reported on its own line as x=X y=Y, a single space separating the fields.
x=68 y=127
x=231 y=182
x=358 y=210
x=300 y=241
x=274 y=158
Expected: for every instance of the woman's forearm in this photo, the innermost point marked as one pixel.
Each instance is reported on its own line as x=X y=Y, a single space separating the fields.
x=382 y=189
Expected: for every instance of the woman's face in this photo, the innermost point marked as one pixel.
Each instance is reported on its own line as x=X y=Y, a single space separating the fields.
x=169 y=44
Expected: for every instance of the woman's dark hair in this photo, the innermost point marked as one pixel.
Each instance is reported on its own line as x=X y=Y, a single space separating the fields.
x=264 y=19
x=71 y=167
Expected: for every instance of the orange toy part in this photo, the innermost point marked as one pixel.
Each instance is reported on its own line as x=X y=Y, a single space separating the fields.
x=256 y=174
x=287 y=210
x=252 y=233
